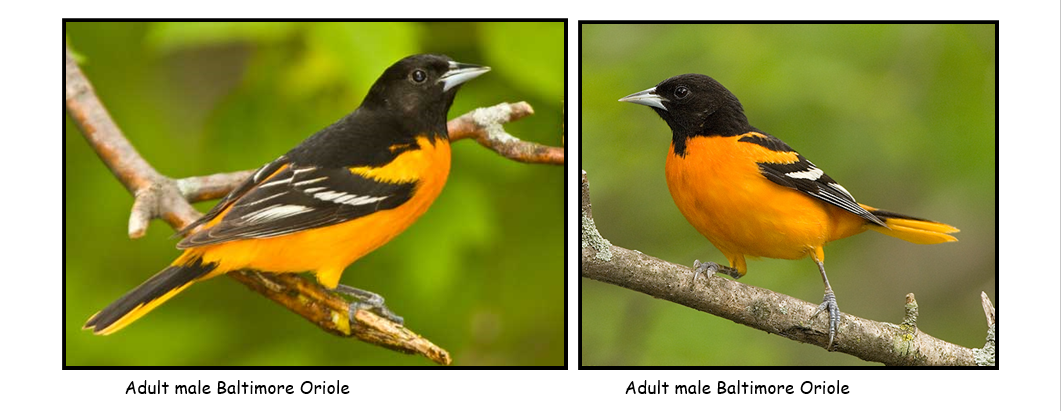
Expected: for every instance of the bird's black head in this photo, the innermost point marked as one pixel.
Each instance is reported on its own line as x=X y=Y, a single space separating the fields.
x=694 y=105
x=421 y=88
x=409 y=100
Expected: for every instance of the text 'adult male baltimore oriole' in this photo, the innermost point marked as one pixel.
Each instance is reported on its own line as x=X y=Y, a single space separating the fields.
x=751 y=194
x=341 y=193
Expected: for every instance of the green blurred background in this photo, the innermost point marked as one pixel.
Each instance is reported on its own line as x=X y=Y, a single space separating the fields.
x=480 y=274
x=902 y=115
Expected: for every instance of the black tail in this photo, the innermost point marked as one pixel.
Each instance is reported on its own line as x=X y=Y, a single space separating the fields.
x=144 y=298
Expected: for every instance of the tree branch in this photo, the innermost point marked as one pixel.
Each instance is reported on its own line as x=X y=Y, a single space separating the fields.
x=763 y=309
x=484 y=125
x=158 y=196
x=155 y=196
x=332 y=313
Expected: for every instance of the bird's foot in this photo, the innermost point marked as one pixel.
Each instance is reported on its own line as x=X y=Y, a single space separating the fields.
x=709 y=269
x=367 y=300
x=829 y=304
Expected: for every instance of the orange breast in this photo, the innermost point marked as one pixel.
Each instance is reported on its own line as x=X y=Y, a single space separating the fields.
x=329 y=250
x=719 y=189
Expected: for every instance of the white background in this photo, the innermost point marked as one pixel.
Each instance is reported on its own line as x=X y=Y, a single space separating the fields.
x=1029 y=72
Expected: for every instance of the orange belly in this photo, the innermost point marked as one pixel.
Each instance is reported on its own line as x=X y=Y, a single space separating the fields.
x=717 y=186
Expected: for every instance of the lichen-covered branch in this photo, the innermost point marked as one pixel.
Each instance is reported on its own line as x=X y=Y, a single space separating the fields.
x=986 y=355
x=331 y=313
x=775 y=313
x=484 y=125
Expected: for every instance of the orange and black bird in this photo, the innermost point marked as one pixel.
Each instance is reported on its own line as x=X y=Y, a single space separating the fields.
x=751 y=194
x=340 y=194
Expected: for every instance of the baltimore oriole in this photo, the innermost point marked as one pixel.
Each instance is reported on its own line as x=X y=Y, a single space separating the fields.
x=751 y=194
x=337 y=196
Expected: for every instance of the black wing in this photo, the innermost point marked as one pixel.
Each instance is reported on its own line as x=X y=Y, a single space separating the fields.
x=259 y=175
x=804 y=176
x=280 y=200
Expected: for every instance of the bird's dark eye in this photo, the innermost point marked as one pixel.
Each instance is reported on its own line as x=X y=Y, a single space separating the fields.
x=418 y=76
x=681 y=92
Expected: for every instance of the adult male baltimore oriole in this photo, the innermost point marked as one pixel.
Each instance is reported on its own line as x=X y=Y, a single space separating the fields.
x=751 y=194
x=338 y=195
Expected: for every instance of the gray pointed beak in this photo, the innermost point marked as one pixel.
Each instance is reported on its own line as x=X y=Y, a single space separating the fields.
x=646 y=98
x=458 y=73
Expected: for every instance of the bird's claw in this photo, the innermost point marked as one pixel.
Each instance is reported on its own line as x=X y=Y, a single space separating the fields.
x=370 y=301
x=711 y=268
x=829 y=304
x=708 y=269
